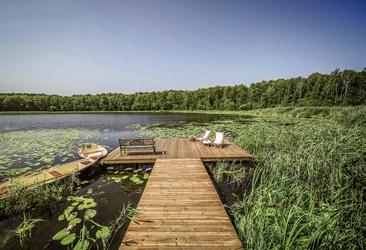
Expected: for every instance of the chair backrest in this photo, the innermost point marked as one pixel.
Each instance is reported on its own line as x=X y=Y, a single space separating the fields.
x=219 y=138
x=124 y=142
x=139 y=141
x=205 y=136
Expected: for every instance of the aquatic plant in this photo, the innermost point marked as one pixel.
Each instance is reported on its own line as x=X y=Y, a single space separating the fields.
x=231 y=172
x=24 y=230
x=127 y=213
x=136 y=178
x=22 y=198
x=84 y=230
x=32 y=149
x=230 y=127
x=80 y=212
x=307 y=187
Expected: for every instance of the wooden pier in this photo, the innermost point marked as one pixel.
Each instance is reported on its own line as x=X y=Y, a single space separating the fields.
x=178 y=149
x=180 y=208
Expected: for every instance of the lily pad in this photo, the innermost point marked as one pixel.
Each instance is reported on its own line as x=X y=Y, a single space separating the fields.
x=74 y=222
x=102 y=233
x=68 y=239
x=90 y=213
x=61 y=234
x=61 y=217
x=82 y=245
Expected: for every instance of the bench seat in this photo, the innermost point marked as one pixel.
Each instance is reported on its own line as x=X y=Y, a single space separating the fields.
x=141 y=143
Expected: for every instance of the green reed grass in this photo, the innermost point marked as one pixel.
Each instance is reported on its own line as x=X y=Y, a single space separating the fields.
x=22 y=198
x=229 y=172
x=307 y=187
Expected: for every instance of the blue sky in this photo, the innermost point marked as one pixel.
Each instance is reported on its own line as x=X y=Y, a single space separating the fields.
x=73 y=47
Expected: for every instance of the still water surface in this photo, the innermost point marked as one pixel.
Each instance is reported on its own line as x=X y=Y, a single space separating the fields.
x=114 y=126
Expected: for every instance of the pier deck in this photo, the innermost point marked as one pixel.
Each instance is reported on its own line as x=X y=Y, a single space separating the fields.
x=178 y=149
x=180 y=208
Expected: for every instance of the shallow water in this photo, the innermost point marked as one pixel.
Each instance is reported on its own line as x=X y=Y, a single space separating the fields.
x=109 y=195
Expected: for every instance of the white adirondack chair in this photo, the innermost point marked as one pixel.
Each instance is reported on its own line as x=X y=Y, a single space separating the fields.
x=218 y=140
x=205 y=136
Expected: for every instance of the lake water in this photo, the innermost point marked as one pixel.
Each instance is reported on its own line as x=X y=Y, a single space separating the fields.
x=113 y=126
x=26 y=139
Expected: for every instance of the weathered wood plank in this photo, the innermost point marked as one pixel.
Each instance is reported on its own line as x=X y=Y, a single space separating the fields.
x=180 y=149
x=181 y=209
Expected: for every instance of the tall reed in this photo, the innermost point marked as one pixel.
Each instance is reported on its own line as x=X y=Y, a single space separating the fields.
x=22 y=198
x=307 y=188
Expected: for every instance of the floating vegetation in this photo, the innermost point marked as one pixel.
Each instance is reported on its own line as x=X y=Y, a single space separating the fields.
x=31 y=149
x=80 y=212
x=134 y=178
x=116 y=179
x=231 y=129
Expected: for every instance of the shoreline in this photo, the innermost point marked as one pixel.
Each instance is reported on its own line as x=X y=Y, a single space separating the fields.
x=289 y=112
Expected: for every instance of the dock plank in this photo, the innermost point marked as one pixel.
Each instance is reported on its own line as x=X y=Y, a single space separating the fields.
x=179 y=149
x=180 y=209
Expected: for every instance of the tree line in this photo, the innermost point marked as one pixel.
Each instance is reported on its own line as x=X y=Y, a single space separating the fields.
x=347 y=87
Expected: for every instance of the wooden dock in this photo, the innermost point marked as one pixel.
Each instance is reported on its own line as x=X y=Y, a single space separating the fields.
x=180 y=208
x=180 y=149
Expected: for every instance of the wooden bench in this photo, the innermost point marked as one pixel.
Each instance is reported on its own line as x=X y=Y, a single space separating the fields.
x=141 y=143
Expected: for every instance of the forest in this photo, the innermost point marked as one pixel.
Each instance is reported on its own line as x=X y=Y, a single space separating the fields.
x=338 y=88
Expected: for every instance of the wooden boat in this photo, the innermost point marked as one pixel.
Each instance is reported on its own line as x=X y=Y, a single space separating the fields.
x=93 y=151
x=57 y=172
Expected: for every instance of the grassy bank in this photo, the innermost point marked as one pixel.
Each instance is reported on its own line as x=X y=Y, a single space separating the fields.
x=293 y=111
x=307 y=187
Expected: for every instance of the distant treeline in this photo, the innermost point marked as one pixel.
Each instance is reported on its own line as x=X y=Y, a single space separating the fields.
x=347 y=87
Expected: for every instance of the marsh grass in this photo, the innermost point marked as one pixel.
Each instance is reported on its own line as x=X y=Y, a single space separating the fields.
x=230 y=172
x=22 y=199
x=307 y=188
